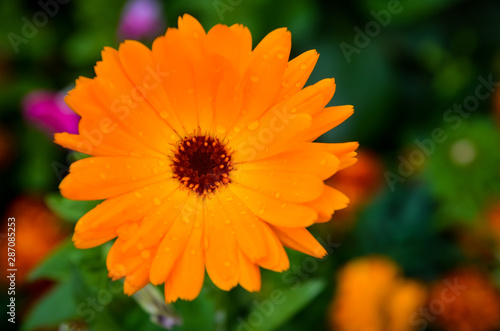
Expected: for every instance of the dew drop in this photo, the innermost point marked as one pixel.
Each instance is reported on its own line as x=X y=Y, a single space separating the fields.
x=323 y=162
x=227 y=222
x=303 y=66
x=280 y=55
x=161 y=163
x=107 y=166
x=140 y=133
x=156 y=201
x=128 y=166
x=254 y=78
x=236 y=129
x=155 y=171
x=261 y=211
x=137 y=194
x=167 y=249
x=253 y=126
x=221 y=129
x=227 y=264
x=102 y=175
x=277 y=195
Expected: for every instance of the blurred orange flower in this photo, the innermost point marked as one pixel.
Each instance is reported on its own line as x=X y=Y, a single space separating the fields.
x=372 y=296
x=475 y=308
x=359 y=182
x=37 y=232
x=493 y=217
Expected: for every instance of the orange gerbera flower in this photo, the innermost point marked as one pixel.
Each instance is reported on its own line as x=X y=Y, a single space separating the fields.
x=202 y=148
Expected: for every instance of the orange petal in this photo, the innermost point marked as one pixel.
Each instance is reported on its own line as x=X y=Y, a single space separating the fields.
x=296 y=74
x=221 y=249
x=274 y=211
x=322 y=164
x=326 y=120
x=301 y=240
x=286 y=186
x=276 y=258
x=249 y=273
x=330 y=201
x=99 y=224
x=98 y=178
x=188 y=273
x=175 y=240
x=247 y=227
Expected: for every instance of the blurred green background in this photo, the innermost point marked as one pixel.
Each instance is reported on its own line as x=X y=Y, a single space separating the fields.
x=425 y=193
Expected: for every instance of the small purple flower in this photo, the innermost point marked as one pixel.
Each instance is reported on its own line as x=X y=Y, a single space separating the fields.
x=141 y=19
x=47 y=111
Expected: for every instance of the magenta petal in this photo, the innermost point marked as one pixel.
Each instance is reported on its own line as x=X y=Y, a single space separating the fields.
x=47 y=111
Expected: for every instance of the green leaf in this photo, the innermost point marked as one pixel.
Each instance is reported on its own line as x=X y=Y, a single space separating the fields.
x=56 y=266
x=202 y=307
x=54 y=308
x=69 y=210
x=282 y=305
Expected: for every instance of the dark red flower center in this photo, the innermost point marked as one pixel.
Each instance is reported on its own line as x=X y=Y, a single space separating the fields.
x=202 y=163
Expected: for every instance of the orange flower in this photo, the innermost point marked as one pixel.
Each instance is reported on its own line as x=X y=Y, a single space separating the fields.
x=37 y=232
x=475 y=308
x=203 y=151
x=372 y=297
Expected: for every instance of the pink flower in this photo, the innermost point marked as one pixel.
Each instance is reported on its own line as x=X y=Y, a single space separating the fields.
x=47 y=111
x=141 y=19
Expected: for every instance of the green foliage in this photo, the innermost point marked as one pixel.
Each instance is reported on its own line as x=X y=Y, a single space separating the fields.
x=68 y=210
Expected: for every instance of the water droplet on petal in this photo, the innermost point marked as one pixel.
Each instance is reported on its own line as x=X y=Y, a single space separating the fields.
x=102 y=175
x=227 y=264
x=137 y=194
x=128 y=166
x=220 y=129
x=155 y=171
x=156 y=201
x=280 y=55
x=277 y=195
x=236 y=129
x=303 y=66
x=254 y=78
x=253 y=126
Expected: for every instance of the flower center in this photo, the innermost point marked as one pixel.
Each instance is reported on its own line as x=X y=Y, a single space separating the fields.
x=202 y=163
